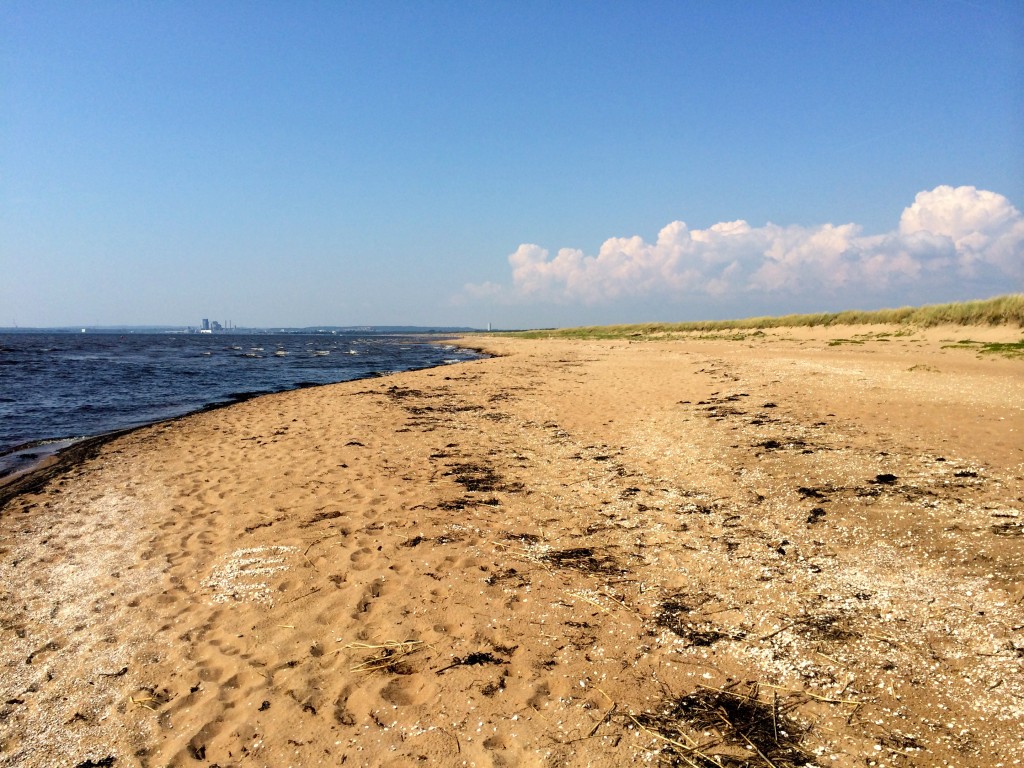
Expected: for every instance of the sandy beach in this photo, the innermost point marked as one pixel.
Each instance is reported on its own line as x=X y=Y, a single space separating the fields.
x=788 y=547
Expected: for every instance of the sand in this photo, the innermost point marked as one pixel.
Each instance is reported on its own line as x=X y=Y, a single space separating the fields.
x=568 y=555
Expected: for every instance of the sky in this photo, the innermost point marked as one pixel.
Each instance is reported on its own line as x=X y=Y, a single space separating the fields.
x=524 y=164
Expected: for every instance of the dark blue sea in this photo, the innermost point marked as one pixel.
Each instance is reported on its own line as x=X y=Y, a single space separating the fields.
x=59 y=387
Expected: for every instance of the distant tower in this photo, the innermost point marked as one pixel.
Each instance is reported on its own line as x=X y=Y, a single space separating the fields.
x=206 y=323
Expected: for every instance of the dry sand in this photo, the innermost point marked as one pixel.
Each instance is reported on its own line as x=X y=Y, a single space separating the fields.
x=577 y=553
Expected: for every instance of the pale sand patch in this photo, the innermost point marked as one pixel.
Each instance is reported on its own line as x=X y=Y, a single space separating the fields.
x=525 y=560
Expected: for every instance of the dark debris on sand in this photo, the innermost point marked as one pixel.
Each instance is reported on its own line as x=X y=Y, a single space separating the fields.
x=480 y=478
x=584 y=559
x=726 y=728
x=677 y=614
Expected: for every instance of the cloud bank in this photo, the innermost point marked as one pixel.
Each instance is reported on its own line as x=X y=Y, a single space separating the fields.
x=948 y=233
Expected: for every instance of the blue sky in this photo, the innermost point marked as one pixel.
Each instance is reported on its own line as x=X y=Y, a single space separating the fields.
x=517 y=163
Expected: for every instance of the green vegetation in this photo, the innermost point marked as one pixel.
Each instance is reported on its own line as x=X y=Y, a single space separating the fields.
x=860 y=338
x=840 y=342
x=1001 y=310
x=1006 y=349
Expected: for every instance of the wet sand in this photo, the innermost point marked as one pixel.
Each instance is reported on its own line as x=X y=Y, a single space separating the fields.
x=574 y=553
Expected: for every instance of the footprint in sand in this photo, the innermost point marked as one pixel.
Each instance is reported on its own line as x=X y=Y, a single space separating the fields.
x=408 y=690
x=353 y=705
x=40 y=653
x=196 y=747
x=540 y=696
x=362 y=558
x=375 y=589
x=495 y=742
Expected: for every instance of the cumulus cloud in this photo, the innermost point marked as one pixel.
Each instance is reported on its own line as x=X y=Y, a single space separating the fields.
x=955 y=233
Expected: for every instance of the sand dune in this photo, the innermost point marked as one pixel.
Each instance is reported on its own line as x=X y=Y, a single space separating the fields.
x=562 y=555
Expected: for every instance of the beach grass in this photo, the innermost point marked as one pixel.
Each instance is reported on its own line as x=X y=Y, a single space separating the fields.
x=1005 y=310
x=1006 y=349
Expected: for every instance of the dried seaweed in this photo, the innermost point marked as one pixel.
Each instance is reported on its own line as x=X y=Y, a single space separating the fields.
x=720 y=412
x=1008 y=529
x=677 y=615
x=833 y=627
x=526 y=538
x=725 y=728
x=815 y=515
x=467 y=501
x=776 y=445
x=477 y=477
x=473 y=659
x=319 y=517
x=814 y=493
x=387 y=657
x=584 y=559
x=692 y=508
x=494 y=686
x=509 y=574
x=400 y=393
x=420 y=410
x=415 y=541
x=581 y=634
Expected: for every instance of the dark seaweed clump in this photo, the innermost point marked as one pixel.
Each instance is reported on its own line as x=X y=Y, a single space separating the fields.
x=726 y=728
x=480 y=478
x=584 y=559
x=674 y=614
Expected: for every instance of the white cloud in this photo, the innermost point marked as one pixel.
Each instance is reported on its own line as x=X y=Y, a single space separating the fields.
x=983 y=226
x=950 y=233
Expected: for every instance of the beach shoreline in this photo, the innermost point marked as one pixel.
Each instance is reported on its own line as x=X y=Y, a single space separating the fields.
x=30 y=464
x=60 y=388
x=530 y=559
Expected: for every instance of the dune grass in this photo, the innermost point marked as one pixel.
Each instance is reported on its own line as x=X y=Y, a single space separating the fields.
x=1012 y=349
x=1001 y=310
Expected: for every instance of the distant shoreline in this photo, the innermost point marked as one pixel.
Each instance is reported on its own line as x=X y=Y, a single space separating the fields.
x=328 y=330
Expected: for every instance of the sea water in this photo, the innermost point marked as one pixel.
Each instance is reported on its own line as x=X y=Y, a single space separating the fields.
x=59 y=387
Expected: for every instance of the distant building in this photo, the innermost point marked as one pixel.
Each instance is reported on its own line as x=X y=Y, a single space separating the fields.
x=206 y=324
x=215 y=326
